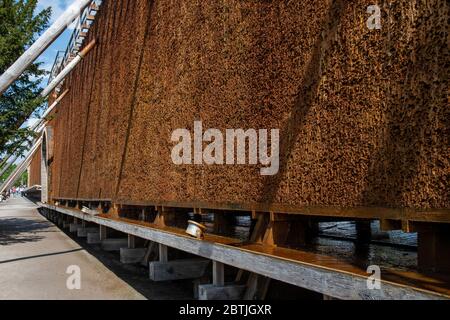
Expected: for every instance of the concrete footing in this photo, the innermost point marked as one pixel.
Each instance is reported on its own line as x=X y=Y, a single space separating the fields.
x=114 y=244
x=93 y=238
x=178 y=269
x=83 y=232
x=227 y=292
x=74 y=227
x=129 y=256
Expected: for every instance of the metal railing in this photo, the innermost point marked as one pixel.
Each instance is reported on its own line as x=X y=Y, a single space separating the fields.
x=79 y=35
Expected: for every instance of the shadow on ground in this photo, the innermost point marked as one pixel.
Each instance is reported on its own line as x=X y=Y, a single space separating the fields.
x=18 y=230
x=137 y=276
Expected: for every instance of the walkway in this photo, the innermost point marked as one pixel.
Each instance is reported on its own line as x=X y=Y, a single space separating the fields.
x=35 y=257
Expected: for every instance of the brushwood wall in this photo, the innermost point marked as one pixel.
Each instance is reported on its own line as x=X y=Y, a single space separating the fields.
x=363 y=114
x=34 y=171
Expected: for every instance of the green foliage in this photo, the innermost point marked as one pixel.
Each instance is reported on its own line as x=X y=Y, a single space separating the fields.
x=23 y=180
x=20 y=182
x=20 y=25
x=7 y=173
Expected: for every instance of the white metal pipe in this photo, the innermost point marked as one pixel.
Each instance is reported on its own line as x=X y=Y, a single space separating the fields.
x=44 y=41
x=8 y=165
x=38 y=127
x=17 y=175
x=60 y=77
x=54 y=104
x=21 y=168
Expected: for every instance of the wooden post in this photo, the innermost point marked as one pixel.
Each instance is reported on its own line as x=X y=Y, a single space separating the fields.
x=363 y=231
x=102 y=233
x=434 y=248
x=257 y=287
x=131 y=242
x=218 y=274
x=223 y=223
x=285 y=229
x=163 y=253
x=165 y=217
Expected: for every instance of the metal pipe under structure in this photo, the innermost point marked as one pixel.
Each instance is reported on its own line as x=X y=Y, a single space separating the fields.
x=60 y=77
x=38 y=128
x=44 y=41
x=21 y=168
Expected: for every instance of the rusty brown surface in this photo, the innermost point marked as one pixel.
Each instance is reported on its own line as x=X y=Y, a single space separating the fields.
x=34 y=178
x=363 y=114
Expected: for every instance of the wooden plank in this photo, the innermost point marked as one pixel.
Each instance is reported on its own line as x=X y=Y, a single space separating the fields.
x=178 y=269
x=371 y=213
x=311 y=271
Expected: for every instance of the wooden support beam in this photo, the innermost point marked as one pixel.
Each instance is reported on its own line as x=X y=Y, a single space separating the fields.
x=218 y=274
x=363 y=231
x=434 y=248
x=283 y=229
x=168 y=216
x=151 y=253
x=223 y=223
x=131 y=242
x=165 y=217
x=390 y=225
x=257 y=287
x=163 y=253
x=320 y=273
x=103 y=233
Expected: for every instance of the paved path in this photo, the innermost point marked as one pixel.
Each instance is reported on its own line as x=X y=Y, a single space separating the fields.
x=35 y=256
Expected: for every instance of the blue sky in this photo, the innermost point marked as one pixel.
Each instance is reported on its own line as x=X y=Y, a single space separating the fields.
x=48 y=57
x=58 y=7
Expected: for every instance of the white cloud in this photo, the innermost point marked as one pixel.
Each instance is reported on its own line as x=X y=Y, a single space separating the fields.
x=58 y=7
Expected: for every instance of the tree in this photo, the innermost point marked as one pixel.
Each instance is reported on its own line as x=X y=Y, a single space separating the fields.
x=19 y=28
x=7 y=173
x=22 y=181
